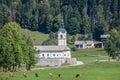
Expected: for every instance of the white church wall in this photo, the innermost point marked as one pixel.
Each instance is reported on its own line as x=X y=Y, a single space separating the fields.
x=67 y=54
x=54 y=54
x=62 y=42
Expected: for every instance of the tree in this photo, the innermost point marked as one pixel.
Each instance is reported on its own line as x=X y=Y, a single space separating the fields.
x=33 y=24
x=31 y=54
x=110 y=48
x=6 y=59
x=55 y=7
x=111 y=45
x=86 y=29
x=56 y=23
x=49 y=23
x=3 y=14
x=73 y=39
x=14 y=48
x=98 y=31
x=43 y=9
x=73 y=26
x=31 y=58
x=52 y=39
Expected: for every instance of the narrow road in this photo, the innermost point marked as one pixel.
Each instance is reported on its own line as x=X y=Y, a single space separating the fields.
x=78 y=63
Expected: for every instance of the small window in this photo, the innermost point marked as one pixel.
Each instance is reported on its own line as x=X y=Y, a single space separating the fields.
x=61 y=36
x=43 y=55
x=53 y=54
x=47 y=54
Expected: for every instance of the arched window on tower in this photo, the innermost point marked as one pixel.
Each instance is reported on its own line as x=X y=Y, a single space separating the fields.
x=42 y=55
x=61 y=36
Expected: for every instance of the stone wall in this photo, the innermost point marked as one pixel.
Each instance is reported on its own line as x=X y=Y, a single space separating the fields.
x=72 y=61
x=55 y=62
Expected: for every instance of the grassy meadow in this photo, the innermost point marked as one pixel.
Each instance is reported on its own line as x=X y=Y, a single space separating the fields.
x=36 y=36
x=92 y=71
x=89 y=55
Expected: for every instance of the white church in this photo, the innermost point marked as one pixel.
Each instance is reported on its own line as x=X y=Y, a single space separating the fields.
x=55 y=54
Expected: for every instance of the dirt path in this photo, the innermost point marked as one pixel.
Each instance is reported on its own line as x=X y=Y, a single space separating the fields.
x=66 y=66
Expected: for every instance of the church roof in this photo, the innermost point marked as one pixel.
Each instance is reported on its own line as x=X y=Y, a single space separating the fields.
x=51 y=48
x=62 y=30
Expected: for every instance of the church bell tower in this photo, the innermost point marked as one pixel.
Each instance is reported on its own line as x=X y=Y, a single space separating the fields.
x=62 y=41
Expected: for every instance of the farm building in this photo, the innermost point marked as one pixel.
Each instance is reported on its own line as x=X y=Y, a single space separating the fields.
x=88 y=44
x=104 y=37
x=84 y=44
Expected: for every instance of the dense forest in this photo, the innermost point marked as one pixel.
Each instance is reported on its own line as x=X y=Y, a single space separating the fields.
x=92 y=17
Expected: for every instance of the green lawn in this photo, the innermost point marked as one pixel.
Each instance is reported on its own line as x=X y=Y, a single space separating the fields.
x=93 y=71
x=36 y=36
x=88 y=55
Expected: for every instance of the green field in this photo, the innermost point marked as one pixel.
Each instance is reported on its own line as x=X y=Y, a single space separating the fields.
x=36 y=36
x=93 y=71
x=89 y=55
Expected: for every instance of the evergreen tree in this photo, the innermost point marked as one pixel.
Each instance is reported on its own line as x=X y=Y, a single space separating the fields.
x=86 y=29
x=49 y=23
x=73 y=26
x=31 y=54
x=73 y=39
x=3 y=14
x=45 y=15
x=111 y=45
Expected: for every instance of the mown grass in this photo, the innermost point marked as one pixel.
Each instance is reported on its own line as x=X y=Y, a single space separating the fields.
x=36 y=36
x=93 y=71
x=88 y=55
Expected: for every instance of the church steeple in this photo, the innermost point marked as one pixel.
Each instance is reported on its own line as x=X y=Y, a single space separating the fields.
x=62 y=24
x=62 y=29
x=62 y=35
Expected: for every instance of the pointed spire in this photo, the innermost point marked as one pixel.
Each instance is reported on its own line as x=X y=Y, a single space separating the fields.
x=62 y=29
x=62 y=23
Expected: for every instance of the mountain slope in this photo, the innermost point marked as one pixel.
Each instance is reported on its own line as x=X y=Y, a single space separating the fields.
x=36 y=36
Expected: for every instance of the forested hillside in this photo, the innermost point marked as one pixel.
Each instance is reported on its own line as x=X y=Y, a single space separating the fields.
x=93 y=17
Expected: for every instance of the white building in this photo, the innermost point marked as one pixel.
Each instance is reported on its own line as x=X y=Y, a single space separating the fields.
x=84 y=44
x=54 y=51
x=104 y=37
